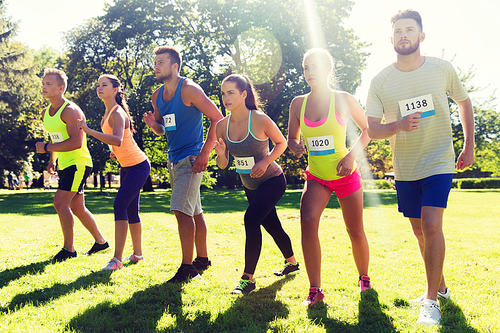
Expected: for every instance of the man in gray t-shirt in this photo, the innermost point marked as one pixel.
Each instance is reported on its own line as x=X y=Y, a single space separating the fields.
x=411 y=94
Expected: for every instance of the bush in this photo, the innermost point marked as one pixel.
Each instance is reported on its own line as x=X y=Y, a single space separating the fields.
x=471 y=183
x=379 y=184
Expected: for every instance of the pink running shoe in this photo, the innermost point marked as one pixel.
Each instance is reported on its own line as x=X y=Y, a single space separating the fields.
x=316 y=294
x=134 y=258
x=112 y=265
x=364 y=283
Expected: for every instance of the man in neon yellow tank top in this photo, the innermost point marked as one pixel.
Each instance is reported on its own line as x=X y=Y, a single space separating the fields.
x=69 y=146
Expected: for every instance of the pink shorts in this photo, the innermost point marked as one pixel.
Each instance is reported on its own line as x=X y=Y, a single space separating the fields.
x=343 y=186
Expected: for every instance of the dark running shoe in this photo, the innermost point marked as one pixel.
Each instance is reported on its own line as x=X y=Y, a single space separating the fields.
x=245 y=286
x=289 y=268
x=63 y=255
x=96 y=248
x=184 y=273
x=201 y=263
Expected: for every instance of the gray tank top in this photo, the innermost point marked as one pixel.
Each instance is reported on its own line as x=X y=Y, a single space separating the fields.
x=251 y=146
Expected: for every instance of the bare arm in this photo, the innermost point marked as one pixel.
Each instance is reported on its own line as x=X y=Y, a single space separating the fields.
x=222 y=158
x=295 y=144
x=268 y=127
x=117 y=121
x=193 y=94
x=348 y=105
x=466 y=114
x=69 y=116
x=377 y=130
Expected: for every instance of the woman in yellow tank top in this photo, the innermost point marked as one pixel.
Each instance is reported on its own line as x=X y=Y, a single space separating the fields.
x=117 y=129
x=321 y=116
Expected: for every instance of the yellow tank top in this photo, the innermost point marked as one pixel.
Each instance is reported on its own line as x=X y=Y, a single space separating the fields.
x=58 y=133
x=129 y=153
x=325 y=142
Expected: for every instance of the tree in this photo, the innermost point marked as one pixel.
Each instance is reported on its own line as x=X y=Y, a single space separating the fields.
x=216 y=38
x=18 y=101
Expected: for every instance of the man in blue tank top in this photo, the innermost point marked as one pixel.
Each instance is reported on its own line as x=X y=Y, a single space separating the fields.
x=179 y=105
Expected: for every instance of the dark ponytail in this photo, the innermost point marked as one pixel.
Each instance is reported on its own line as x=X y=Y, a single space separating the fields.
x=120 y=97
x=243 y=83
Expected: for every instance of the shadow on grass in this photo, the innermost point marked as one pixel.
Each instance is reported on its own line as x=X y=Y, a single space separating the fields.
x=213 y=201
x=12 y=274
x=144 y=310
x=43 y=296
x=453 y=319
x=370 y=317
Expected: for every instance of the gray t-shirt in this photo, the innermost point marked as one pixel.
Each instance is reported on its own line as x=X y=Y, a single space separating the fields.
x=394 y=94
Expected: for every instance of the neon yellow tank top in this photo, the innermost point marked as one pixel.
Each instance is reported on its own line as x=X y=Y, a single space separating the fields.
x=325 y=143
x=58 y=133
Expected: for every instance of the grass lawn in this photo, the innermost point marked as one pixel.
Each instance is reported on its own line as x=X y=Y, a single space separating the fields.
x=75 y=296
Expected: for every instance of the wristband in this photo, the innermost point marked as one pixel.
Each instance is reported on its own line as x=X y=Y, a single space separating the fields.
x=45 y=147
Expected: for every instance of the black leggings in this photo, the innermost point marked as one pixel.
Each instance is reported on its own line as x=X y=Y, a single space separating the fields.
x=262 y=211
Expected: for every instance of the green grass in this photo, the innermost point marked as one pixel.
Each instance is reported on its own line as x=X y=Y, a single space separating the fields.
x=75 y=296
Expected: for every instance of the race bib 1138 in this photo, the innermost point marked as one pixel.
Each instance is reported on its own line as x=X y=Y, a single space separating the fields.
x=56 y=137
x=422 y=104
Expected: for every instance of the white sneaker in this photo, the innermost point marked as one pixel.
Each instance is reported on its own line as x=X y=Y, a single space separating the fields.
x=440 y=295
x=429 y=313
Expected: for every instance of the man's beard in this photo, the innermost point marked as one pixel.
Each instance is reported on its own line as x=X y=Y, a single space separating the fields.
x=407 y=50
x=164 y=78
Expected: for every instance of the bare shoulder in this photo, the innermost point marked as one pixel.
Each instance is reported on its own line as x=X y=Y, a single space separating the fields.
x=72 y=112
x=155 y=94
x=190 y=88
x=296 y=105
x=259 y=116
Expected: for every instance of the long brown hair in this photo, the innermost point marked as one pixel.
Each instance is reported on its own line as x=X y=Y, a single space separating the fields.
x=120 y=97
x=243 y=83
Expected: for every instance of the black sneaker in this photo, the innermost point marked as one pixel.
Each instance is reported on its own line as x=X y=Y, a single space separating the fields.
x=63 y=255
x=96 y=248
x=289 y=268
x=185 y=272
x=201 y=263
x=245 y=286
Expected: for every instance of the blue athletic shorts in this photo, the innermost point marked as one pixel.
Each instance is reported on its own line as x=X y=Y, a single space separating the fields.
x=432 y=191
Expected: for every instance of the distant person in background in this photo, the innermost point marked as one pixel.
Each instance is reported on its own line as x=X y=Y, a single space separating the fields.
x=411 y=94
x=245 y=133
x=179 y=106
x=117 y=131
x=321 y=116
x=69 y=146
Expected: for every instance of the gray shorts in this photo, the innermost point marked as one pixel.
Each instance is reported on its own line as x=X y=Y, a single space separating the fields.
x=185 y=187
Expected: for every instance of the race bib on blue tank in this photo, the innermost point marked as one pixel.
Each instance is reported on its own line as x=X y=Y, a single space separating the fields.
x=56 y=137
x=422 y=104
x=321 y=145
x=169 y=121
x=244 y=164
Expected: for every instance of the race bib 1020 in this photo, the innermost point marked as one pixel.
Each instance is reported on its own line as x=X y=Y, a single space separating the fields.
x=321 y=145
x=244 y=164
x=169 y=121
x=422 y=104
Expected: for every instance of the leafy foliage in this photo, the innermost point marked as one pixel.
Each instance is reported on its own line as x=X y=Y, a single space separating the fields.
x=216 y=38
x=18 y=101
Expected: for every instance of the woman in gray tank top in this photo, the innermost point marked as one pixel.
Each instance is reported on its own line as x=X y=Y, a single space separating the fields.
x=245 y=133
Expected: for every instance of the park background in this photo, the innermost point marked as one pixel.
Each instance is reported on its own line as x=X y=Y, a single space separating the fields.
x=265 y=39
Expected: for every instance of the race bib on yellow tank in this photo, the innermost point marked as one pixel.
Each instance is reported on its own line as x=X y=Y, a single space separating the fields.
x=321 y=145
x=56 y=137
x=422 y=104
x=169 y=121
x=244 y=164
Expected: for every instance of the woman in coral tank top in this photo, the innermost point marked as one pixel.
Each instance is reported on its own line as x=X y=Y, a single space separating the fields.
x=117 y=131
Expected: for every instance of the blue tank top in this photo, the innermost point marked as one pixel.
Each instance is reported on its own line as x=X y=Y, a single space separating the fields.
x=183 y=125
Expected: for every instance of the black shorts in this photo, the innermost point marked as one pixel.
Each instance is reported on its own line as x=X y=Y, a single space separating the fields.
x=73 y=178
